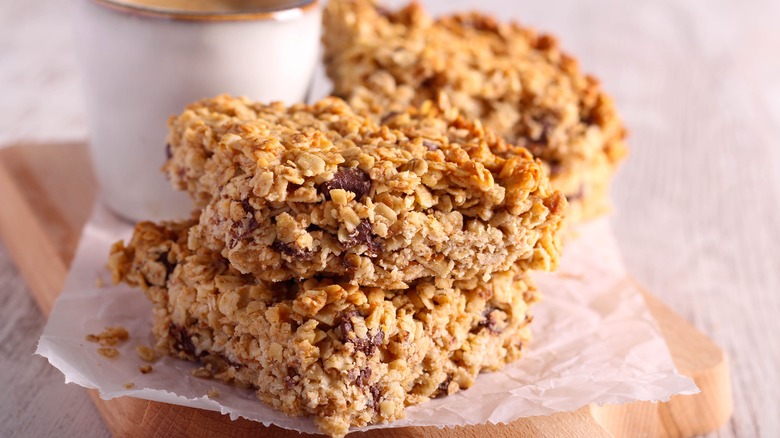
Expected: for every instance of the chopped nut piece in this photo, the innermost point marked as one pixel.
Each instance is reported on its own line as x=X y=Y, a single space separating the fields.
x=146 y=353
x=145 y=369
x=108 y=352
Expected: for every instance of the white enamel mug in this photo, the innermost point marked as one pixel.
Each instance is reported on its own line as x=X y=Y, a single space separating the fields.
x=142 y=64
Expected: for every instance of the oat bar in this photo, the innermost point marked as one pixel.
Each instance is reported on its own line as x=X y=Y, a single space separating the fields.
x=317 y=190
x=517 y=82
x=347 y=355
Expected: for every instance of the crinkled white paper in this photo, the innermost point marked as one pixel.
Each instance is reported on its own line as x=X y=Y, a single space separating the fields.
x=594 y=342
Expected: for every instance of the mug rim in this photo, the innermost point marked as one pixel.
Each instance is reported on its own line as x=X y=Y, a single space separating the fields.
x=296 y=9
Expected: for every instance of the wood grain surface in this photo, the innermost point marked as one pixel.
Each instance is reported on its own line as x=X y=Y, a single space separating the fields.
x=697 y=214
x=47 y=190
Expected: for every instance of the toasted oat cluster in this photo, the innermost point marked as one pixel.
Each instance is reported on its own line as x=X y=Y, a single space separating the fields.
x=317 y=190
x=515 y=81
x=348 y=355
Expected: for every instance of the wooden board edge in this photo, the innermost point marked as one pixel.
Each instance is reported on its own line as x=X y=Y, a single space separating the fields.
x=42 y=267
x=45 y=270
x=696 y=356
x=128 y=416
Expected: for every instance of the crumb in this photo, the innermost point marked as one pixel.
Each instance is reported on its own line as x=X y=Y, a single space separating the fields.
x=99 y=282
x=145 y=369
x=213 y=393
x=108 y=352
x=201 y=372
x=146 y=353
x=110 y=337
x=130 y=385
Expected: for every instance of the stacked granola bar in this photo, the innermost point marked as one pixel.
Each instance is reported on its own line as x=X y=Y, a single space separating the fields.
x=515 y=81
x=345 y=267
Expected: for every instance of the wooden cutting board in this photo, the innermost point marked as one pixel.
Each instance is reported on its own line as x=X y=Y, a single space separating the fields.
x=46 y=192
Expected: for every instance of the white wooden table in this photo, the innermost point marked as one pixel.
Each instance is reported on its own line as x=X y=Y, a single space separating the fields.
x=697 y=214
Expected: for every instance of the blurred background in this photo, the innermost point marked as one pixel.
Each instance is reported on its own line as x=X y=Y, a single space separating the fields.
x=696 y=204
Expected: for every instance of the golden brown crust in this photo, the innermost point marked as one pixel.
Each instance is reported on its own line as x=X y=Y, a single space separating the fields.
x=318 y=190
x=517 y=82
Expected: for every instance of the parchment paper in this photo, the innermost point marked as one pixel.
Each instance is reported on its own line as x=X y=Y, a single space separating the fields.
x=594 y=342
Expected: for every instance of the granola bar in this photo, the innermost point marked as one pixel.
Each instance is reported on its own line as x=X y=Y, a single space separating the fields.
x=317 y=190
x=517 y=82
x=347 y=355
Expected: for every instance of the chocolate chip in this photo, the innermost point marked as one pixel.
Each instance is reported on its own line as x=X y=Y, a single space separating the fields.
x=548 y=122
x=360 y=377
x=432 y=146
x=346 y=332
x=387 y=117
x=489 y=321
x=291 y=378
x=169 y=267
x=290 y=251
x=368 y=345
x=286 y=290
x=376 y=394
x=313 y=227
x=351 y=179
x=217 y=362
x=247 y=207
x=429 y=82
x=443 y=388
x=182 y=340
x=168 y=153
x=588 y=118
x=250 y=226
x=345 y=326
x=363 y=235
